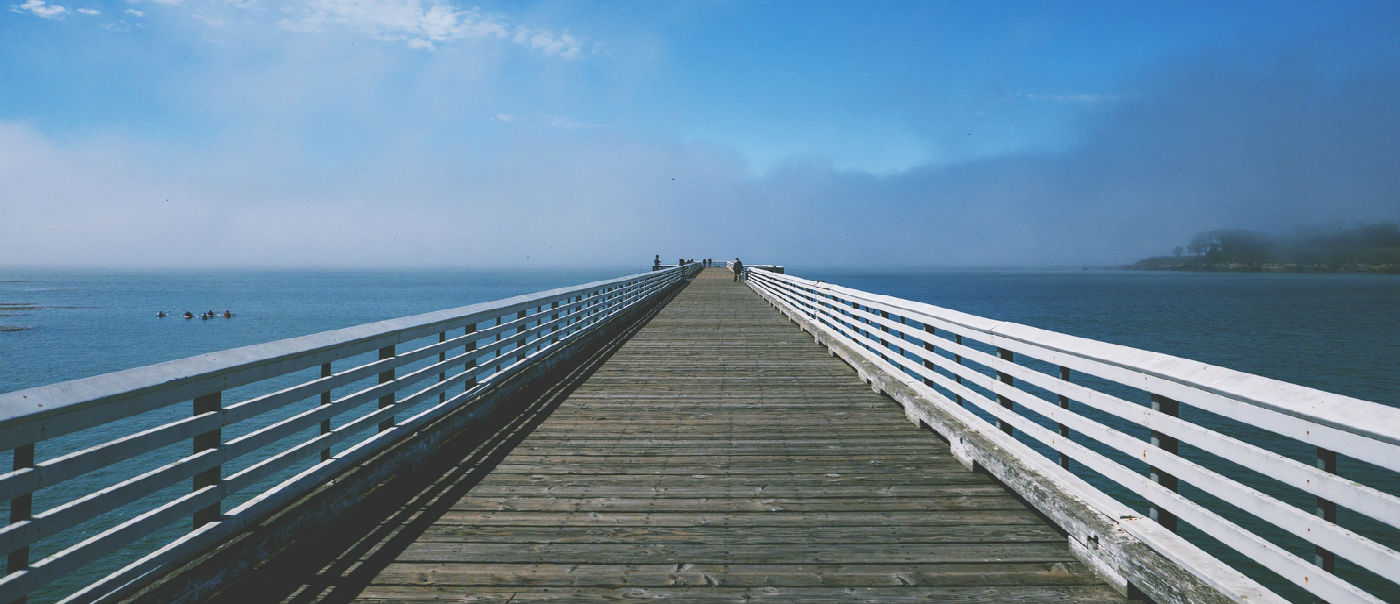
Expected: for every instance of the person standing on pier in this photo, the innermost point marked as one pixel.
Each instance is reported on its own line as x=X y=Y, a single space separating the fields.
x=738 y=269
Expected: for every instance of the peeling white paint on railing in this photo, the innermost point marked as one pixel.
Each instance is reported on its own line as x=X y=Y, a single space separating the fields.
x=930 y=349
x=492 y=341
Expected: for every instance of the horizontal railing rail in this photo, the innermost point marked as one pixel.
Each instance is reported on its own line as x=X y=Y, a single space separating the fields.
x=1158 y=431
x=266 y=424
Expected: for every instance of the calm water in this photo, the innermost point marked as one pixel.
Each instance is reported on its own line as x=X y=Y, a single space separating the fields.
x=1339 y=333
x=100 y=321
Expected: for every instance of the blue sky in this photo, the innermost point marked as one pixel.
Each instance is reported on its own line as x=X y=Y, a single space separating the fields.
x=432 y=132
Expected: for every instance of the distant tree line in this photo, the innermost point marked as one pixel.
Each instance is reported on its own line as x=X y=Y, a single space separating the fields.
x=1370 y=248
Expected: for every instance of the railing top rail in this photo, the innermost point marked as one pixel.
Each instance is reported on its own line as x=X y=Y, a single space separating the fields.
x=25 y=410
x=1357 y=416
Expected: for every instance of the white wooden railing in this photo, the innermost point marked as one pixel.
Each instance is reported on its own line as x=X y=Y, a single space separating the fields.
x=1213 y=454
x=137 y=462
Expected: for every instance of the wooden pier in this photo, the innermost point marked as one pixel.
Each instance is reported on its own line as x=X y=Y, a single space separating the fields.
x=717 y=455
x=675 y=434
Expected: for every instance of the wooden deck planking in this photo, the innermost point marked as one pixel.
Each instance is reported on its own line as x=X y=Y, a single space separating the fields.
x=743 y=420
x=718 y=455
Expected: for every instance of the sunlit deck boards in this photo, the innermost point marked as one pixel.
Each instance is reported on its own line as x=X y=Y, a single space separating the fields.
x=720 y=455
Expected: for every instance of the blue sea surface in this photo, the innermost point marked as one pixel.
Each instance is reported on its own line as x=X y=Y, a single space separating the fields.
x=97 y=321
x=1334 y=332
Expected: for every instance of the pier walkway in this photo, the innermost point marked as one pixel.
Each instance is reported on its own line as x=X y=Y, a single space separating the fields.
x=715 y=455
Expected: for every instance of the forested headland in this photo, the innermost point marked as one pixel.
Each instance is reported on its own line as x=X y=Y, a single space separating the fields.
x=1372 y=248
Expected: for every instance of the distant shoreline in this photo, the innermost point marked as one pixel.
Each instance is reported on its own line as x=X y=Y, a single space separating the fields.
x=1271 y=269
x=1371 y=248
x=1175 y=264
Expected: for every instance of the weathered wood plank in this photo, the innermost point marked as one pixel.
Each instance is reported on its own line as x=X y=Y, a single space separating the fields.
x=722 y=553
x=737 y=536
x=724 y=504
x=816 y=595
x=692 y=491
x=751 y=519
x=736 y=575
x=739 y=480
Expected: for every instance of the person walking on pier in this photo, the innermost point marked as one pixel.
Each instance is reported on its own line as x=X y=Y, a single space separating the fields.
x=738 y=269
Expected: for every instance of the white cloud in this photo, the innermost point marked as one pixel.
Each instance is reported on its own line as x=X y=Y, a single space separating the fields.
x=565 y=122
x=422 y=23
x=133 y=12
x=89 y=11
x=41 y=9
x=564 y=45
x=562 y=122
x=1081 y=99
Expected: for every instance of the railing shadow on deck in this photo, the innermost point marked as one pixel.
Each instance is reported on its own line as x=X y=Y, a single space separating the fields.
x=337 y=565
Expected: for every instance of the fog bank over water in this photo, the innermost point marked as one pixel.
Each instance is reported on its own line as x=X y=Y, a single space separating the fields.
x=1197 y=144
x=1208 y=147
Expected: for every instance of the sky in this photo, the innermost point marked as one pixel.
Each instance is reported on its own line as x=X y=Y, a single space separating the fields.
x=440 y=133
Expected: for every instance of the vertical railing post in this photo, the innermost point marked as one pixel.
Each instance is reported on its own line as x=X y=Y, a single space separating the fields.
x=21 y=509
x=325 y=402
x=902 y=353
x=571 y=316
x=856 y=321
x=470 y=365
x=884 y=344
x=1064 y=430
x=932 y=350
x=1166 y=443
x=1326 y=461
x=539 y=320
x=957 y=377
x=586 y=318
x=837 y=311
x=209 y=403
x=385 y=377
x=554 y=318
x=520 y=345
x=442 y=358
x=498 y=348
x=1008 y=356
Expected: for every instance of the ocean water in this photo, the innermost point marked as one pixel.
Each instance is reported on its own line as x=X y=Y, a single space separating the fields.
x=91 y=322
x=1333 y=332
x=1339 y=333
